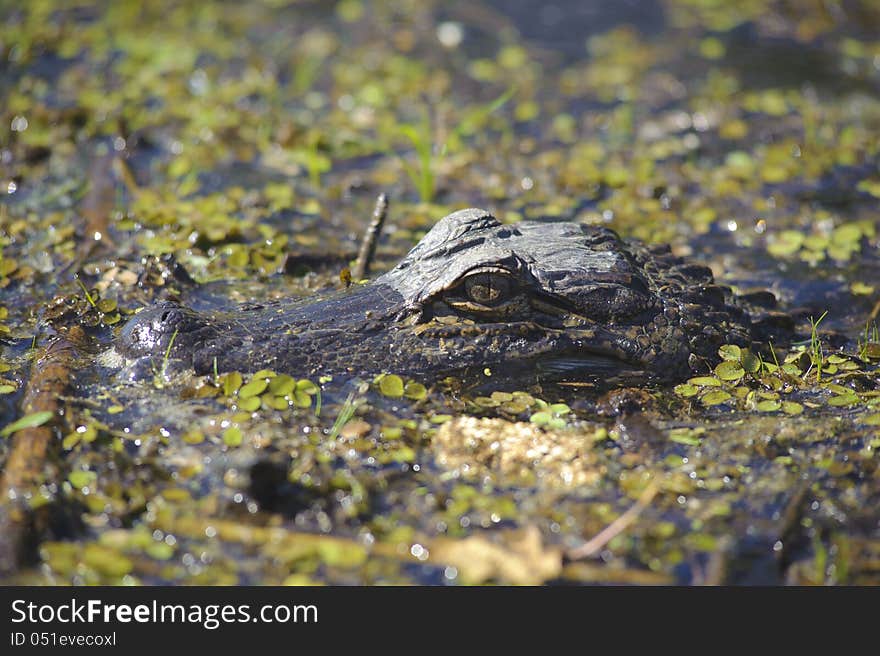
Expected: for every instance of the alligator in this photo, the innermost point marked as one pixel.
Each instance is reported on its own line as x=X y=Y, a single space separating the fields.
x=475 y=298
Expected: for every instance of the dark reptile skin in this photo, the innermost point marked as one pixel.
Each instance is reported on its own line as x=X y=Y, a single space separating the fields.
x=584 y=305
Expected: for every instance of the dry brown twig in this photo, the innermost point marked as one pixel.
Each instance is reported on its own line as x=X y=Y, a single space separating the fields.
x=371 y=238
x=597 y=543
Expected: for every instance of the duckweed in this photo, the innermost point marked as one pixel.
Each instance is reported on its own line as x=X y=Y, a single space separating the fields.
x=80 y=479
x=715 y=398
x=730 y=370
x=391 y=385
x=233 y=436
x=415 y=391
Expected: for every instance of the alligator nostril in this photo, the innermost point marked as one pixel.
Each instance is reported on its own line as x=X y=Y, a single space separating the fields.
x=153 y=329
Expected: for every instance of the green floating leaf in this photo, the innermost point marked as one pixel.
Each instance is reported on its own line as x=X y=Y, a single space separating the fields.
x=788 y=242
x=705 y=381
x=254 y=388
x=514 y=407
x=82 y=478
x=687 y=436
x=306 y=386
x=541 y=418
x=730 y=352
x=28 y=421
x=750 y=362
x=301 y=399
x=193 y=436
x=769 y=367
x=282 y=385
x=686 y=390
x=730 y=370
x=159 y=550
x=848 y=233
x=559 y=409
x=275 y=402
x=106 y=305
x=715 y=397
x=391 y=385
x=768 y=406
x=249 y=404
x=772 y=382
x=415 y=391
x=403 y=454
x=741 y=391
x=843 y=400
x=702 y=542
x=231 y=382
x=232 y=436
x=107 y=562
x=792 y=408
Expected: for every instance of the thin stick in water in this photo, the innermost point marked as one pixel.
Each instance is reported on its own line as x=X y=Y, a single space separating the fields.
x=615 y=528
x=371 y=237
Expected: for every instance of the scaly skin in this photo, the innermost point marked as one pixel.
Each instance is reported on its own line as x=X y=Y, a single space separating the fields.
x=546 y=301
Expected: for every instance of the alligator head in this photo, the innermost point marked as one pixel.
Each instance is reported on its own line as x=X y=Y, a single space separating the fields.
x=533 y=300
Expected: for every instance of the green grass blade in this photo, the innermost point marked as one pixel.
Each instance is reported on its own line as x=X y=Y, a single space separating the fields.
x=28 y=421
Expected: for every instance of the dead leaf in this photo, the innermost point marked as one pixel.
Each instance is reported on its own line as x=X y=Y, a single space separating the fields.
x=512 y=557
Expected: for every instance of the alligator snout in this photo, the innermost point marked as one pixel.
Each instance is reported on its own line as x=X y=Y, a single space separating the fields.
x=151 y=330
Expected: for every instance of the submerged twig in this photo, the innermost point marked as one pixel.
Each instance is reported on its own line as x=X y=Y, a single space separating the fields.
x=371 y=237
x=32 y=447
x=615 y=528
x=123 y=172
x=97 y=205
x=717 y=568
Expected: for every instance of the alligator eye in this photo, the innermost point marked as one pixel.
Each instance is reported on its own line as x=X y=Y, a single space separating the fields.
x=488 y=288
